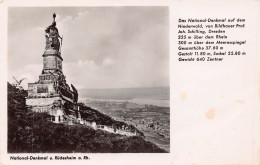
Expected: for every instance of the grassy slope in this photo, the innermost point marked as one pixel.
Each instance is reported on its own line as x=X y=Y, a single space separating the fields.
x=31 y=132
x=90 y=114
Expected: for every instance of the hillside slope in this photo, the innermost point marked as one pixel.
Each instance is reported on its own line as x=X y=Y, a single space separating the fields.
x=30 y=132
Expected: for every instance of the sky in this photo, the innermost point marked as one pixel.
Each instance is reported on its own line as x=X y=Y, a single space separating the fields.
x=103 y=47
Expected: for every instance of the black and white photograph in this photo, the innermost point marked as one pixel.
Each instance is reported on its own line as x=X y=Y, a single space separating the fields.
x=144 y=82
x=88 y=79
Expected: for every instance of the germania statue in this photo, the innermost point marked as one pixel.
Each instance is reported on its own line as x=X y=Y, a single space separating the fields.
x=52 y=36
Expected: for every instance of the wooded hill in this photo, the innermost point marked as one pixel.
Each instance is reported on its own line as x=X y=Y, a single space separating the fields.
x=30 y=132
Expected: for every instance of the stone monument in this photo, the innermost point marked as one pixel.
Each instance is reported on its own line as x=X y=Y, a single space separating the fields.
x=51 y=93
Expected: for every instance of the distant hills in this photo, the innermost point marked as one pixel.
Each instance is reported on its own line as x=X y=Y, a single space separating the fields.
x=30 y=132
x=126 y=93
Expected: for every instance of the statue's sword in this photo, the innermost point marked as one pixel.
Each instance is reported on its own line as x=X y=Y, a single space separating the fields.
x=61 y=42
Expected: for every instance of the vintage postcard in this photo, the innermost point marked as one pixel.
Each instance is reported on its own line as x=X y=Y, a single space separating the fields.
x=129 y=82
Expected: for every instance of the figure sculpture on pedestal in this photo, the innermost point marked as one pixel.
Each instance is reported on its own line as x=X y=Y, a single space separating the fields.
x=52 y=36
